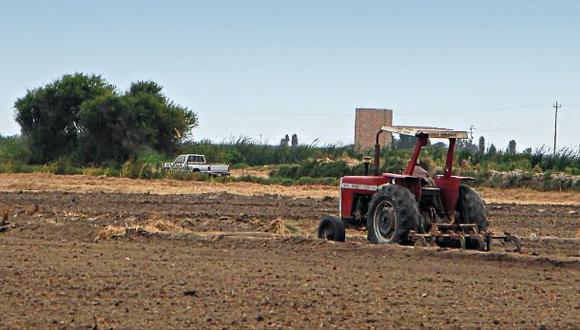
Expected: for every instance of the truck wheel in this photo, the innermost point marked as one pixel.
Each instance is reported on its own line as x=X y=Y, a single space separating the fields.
x=392 y=213
x=471 y=208
x=331 y=228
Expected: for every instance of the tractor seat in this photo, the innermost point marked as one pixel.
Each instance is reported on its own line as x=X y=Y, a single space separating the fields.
x=430 y=191
x=431 y=198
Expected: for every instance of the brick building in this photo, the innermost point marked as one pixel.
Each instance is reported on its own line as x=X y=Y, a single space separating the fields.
x=368 y=121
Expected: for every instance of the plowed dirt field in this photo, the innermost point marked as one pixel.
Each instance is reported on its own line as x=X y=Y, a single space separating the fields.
x=105 y=254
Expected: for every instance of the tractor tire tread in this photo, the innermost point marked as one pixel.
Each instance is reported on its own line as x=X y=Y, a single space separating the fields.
x=407 y=212
x=336 y=226
x=472 y=208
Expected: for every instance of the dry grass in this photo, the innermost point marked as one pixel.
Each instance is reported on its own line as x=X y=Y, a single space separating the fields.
x=81 y=183
x=276 y=227
x=529 y=196
x=4 y=220
x=153 y=226
x=261 y=171
x=111 y=232
x=283 y=227
x=293 y=227
x=164 y=226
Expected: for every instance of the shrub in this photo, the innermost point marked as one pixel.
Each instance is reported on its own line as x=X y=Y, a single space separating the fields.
x=243 y=150
x=14 y=149
x=63 y=166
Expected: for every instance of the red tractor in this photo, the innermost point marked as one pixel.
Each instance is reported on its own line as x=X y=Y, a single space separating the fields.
x=411 y=208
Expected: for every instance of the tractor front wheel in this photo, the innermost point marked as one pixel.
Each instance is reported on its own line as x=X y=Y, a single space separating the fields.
x=331 y=229
x=392 y=213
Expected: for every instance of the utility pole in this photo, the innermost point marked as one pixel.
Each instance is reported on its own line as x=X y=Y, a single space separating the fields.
x=471 y=129
x=556 y=106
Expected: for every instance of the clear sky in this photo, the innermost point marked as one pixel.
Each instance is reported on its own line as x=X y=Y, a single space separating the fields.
x=274 y=67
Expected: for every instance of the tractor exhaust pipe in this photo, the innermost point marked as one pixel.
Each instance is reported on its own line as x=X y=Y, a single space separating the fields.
x=377 y=153
x=367 y=162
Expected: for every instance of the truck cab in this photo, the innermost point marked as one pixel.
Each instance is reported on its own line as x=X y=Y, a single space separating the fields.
x=196 y=163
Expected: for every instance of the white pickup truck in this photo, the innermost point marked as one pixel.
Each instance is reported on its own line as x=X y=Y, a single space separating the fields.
x=197 y=163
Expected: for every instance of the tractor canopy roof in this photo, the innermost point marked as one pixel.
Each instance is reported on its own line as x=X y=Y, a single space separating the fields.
x=432 y=132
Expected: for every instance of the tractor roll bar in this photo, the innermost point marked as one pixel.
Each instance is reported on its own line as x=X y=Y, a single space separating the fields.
x=377 y=153
x=422 y=140
x=423 y=134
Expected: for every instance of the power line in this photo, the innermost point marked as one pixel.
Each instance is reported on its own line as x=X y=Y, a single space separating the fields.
x=264 y=113
x=513 y=108
x=511 y=128
x=398 y=113
x=533 y=126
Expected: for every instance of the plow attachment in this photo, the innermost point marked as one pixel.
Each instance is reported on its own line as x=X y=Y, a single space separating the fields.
x=465 y=236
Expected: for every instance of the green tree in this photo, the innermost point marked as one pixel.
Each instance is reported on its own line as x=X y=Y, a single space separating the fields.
x=512 y=147
x=294 y=140
x=284 y=142
x=114 y=128
x=105 y=127
x=49 y=115
x=404 y=142
x=492 y=151
x=481 y=146
x=14 y=149
x=146 y=87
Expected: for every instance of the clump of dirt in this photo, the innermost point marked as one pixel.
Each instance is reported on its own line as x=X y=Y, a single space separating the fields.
x=33 y=209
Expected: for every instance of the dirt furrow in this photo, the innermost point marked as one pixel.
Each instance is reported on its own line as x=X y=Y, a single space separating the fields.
x=221 y=260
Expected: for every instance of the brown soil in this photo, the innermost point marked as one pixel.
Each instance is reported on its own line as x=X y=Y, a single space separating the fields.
x=82 y=183
x=221 y=260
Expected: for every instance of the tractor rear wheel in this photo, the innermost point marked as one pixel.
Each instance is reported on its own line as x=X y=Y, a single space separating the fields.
x=471 y=208
x=331 y=228
x=392 y=213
